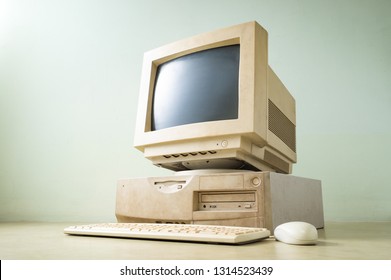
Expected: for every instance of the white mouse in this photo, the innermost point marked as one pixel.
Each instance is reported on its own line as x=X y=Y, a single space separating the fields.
x=297 y=233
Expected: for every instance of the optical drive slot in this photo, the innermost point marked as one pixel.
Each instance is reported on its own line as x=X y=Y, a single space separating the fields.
x=227 y=197
x=226 y=201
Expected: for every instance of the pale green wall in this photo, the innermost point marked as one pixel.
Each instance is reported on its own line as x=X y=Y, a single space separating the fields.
x=69 y=79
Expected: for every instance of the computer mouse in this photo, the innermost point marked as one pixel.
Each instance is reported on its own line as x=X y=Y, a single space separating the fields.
x=297 y=233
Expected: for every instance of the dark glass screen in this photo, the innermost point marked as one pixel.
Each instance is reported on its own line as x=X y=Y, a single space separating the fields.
x=198 y=87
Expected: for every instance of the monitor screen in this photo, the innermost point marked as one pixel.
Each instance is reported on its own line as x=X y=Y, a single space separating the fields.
x=199 y=87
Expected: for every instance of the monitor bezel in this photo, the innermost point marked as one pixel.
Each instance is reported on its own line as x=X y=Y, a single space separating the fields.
x=253 y=67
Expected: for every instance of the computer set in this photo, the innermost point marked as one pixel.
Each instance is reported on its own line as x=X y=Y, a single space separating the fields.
x=213 y=111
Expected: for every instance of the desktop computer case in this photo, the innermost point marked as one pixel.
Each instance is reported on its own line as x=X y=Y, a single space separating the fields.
x=251 y=199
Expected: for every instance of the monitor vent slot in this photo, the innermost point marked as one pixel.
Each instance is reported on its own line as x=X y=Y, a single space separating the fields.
x=184 y=155
x=281 y=126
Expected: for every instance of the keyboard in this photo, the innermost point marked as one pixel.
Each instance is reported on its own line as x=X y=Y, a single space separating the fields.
x=173 y=232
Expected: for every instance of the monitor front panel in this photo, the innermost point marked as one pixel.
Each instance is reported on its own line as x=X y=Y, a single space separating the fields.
x=197 y=93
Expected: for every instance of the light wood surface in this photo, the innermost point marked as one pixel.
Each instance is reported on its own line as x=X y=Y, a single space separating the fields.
x=47 y=241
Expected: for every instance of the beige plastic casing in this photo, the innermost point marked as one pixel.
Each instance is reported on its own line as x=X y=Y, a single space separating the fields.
x=264 y=134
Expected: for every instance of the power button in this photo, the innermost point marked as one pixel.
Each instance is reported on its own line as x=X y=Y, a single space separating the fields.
x=256 y=181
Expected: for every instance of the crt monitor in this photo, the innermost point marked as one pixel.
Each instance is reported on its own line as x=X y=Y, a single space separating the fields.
x=212 y=102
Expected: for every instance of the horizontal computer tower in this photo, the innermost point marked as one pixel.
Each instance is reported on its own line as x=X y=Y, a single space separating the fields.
x=243 y=198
